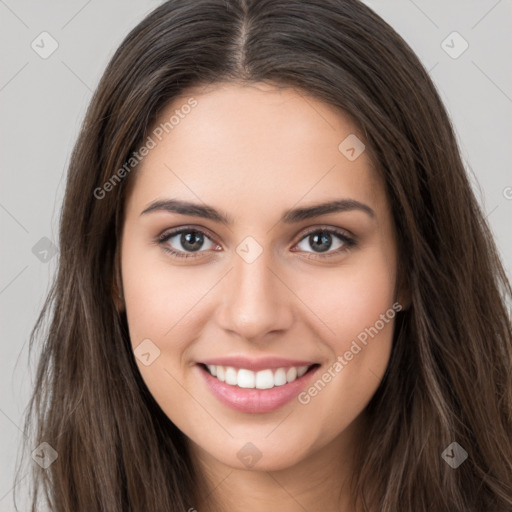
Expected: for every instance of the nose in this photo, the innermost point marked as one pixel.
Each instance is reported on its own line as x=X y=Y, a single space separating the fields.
x=256 y=300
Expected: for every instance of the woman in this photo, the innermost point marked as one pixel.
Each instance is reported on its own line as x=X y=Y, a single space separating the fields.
x=276 y=289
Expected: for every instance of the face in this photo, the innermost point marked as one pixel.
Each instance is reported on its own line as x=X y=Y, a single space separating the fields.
x=261 y=325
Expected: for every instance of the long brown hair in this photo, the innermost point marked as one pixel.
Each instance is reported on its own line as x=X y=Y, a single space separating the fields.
x=449 y=378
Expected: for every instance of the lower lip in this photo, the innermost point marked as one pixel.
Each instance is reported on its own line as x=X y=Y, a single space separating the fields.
x=256 y=401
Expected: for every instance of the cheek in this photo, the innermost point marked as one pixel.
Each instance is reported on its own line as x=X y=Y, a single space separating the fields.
x=353 y=297
x=359 y=311
x=158 y=296
x=165 y=308
x=158 y=301
x=356 y=304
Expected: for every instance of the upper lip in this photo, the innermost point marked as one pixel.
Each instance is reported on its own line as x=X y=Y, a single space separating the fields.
x=262 y=363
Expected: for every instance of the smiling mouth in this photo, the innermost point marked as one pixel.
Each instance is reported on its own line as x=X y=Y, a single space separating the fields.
x=263 y=379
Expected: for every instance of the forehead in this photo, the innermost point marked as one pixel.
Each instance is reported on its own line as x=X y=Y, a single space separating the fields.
x=255 y=145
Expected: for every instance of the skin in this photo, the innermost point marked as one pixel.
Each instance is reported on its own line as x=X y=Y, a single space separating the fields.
x=253 y=152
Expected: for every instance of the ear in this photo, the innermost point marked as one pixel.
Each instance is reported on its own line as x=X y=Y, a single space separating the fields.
x=404 y=299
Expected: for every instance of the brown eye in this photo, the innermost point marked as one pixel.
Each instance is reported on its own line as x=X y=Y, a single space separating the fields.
x=184 y=241
x=323 y=240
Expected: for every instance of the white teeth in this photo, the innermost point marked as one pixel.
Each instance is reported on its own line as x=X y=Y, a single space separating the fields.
x=245 y=378
x=231 y=377
x=301 y=371
x=291 y=374
x=280 y=377
x=263 y=379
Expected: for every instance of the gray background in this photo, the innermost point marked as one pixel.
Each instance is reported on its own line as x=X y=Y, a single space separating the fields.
x=43 y=102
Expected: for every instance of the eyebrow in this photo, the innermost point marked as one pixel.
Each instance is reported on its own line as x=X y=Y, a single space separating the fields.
x=290 y=216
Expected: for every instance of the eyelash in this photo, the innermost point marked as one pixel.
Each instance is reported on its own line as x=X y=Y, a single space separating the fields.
x=348 y=243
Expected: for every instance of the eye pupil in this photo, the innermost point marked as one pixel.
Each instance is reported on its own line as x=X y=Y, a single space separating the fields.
x=321 y=241
x=187 y=240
